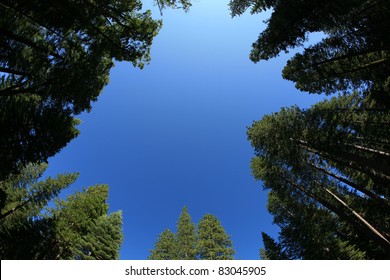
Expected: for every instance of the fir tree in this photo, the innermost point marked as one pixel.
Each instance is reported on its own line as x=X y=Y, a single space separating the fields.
x=165 y=247
x=208 y=240
x=185 y=237
x=213 y=241
x=76 y=228
x=272 y=250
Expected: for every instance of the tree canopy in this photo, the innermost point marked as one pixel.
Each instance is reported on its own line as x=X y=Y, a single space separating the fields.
x=321 y=161
x=213 y=242
x=78 y=227
x=354 y=51
x=55 y=59
x=327 y=167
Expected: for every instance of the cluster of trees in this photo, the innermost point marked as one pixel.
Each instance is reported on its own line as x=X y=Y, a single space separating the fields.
x=206 y=241
x=78 y=227
x=327 y=168
x=55 y=59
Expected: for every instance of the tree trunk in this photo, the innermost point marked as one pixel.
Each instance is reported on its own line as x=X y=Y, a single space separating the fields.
x=29 y=43
x=367 y=229
x=370 y=194
x=351 y=160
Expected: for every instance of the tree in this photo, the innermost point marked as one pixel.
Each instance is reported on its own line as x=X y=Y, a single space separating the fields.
x=84 y=229
x=185 y=237
x=316 y=156
x=272 y=250
x=31 y=131
x=353 y=55
x=50 y=48
x=308 y=230
x=165 y=247
x=208 y=240
x=329 y=164
x=55 y=59
x=77 y=228
x=213 y=241
x=22 y=229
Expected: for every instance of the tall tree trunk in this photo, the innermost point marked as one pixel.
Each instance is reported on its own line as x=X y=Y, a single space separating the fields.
x=378 y=234
x=366 y=228
x=374 y=196
x=351 y=160
x=374 y=151
x=29 y=43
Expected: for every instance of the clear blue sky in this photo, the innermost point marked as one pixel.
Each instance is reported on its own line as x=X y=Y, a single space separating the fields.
x=174 y=133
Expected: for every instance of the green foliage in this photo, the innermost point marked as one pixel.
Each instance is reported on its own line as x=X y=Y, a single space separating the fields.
x=327 y=168
x=213 y=241
x=84 y=230
x=353 y=55
x=208 y=240
x=173 y=4
x=185 y=237
x=31 y=131
x=165 y=247
x=77 y=228
x=55 y=59
x=272 y=250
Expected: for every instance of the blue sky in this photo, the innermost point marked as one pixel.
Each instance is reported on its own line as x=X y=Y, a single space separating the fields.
x=174 y=133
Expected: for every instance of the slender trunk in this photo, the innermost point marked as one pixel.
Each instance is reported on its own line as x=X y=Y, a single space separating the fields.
x=351 y=160
x=377 y=233
x=362 y=139
x=368 y=65
x=287 y=211
x=13 y=210
x=12 y=92
x=31 y=19
x=362 y=148
x=370 y=194
x=367 y=229
x=341 y=57
x=29 y=43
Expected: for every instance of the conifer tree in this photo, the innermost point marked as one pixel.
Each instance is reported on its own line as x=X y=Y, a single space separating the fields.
x=206 y=241
x=213 y=242
x=24 y=233
x=185 y=237
x=55 y=59
x=354 y=53
x=84 y=229
x=272 y=250
x=327 y=158
x=76 y=228
x=165 y=247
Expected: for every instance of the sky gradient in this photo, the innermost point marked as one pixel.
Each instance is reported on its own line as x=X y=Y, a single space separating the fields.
x=174 y=133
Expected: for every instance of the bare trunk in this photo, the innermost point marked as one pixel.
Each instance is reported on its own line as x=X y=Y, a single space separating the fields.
x=367 y=229
x=360 y=218
x=362 y=148
x=351 y=160
x=370 y=194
